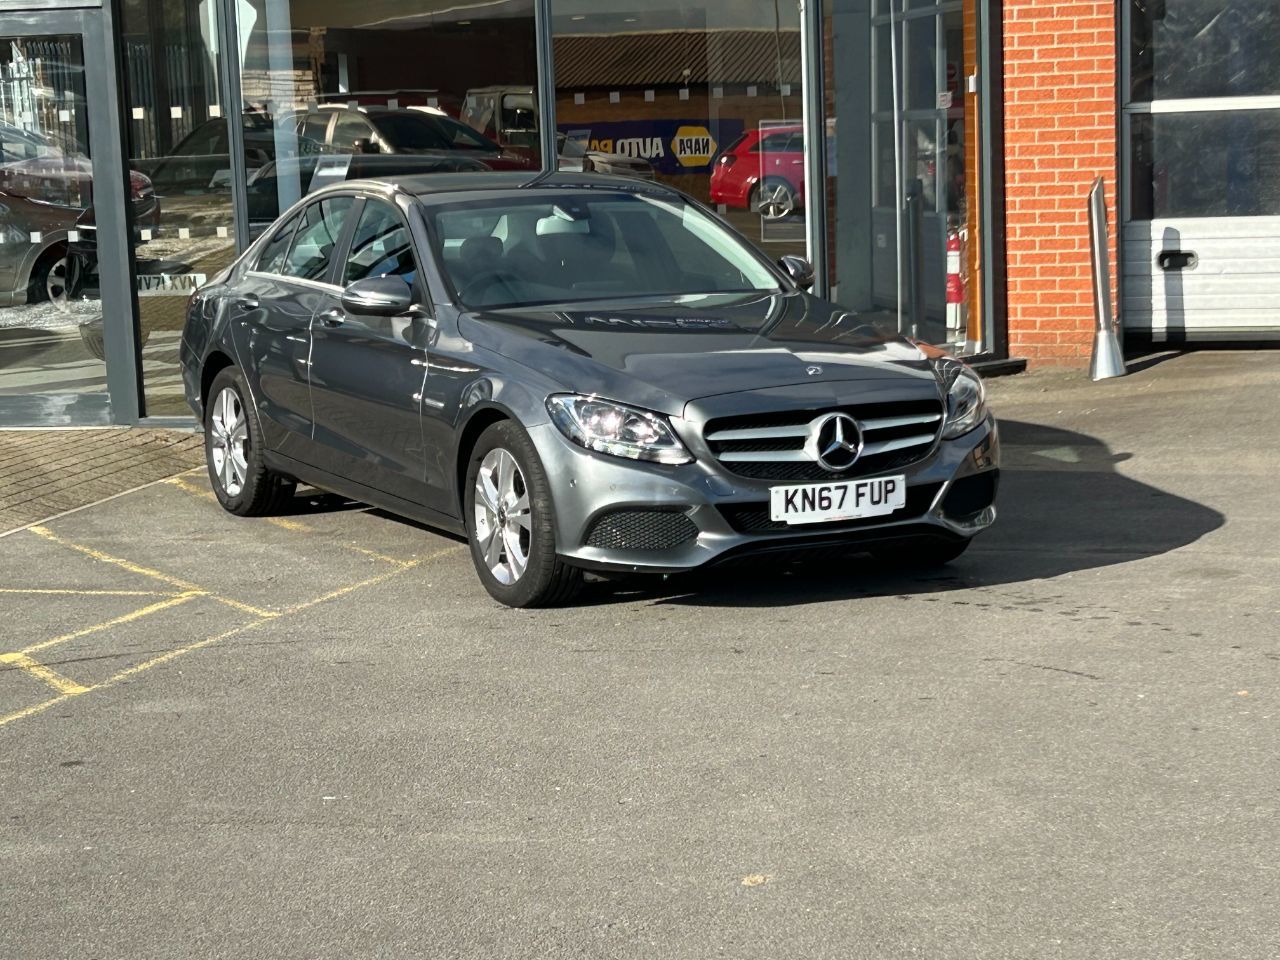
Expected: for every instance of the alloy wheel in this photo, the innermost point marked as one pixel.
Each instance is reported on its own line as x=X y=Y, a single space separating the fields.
x=502 y=524
x=55 y=284
x=229 y=435
x=776 y=201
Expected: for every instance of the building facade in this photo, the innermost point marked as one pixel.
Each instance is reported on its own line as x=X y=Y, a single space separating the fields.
x=931 y=158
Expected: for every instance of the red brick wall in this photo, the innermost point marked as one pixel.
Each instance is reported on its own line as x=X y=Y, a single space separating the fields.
x=1061 y=61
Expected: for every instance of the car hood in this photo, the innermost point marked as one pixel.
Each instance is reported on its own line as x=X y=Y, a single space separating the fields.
x=663 y=354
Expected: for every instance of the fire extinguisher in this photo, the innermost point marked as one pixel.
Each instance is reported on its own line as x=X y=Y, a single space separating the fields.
x=956 y=308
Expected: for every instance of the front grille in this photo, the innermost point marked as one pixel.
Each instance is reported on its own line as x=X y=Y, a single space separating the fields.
x=753 y=517
x=771 y=446
x=642 y=530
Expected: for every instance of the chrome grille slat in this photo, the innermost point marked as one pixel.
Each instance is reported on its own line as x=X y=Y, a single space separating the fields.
x=760 y=433
x=874 y=448
x=765 y=456
x=884 y=423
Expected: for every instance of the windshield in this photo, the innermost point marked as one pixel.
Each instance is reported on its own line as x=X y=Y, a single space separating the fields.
x=562 y=248
x=419 y=131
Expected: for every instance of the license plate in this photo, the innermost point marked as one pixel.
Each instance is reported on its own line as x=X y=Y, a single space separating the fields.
x=850 y=500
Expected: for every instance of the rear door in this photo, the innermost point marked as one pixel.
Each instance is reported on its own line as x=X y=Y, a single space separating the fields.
x=367 y=372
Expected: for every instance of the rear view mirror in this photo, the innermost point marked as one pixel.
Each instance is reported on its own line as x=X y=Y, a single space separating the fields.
x=378 y=297
x=799 y=270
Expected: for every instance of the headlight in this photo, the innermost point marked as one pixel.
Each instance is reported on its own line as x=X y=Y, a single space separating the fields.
x=966 y=399
x=617 y=430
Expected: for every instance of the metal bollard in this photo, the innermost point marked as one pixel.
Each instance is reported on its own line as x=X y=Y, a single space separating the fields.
x=1108 y=359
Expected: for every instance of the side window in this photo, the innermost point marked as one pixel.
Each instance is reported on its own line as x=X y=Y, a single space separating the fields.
x=272 y=258
x=318 y=233
x=380 y=246
x=350 y=127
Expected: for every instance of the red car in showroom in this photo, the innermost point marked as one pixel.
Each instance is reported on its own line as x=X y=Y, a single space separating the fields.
x=763 y=171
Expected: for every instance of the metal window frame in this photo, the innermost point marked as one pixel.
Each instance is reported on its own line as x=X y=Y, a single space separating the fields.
x=94 y=23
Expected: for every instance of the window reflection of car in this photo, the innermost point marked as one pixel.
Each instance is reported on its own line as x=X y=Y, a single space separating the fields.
x=762 y=171
x=314 y=172
x=44 y=202
x=576 y=155
x=373 y=130
x=201 y=161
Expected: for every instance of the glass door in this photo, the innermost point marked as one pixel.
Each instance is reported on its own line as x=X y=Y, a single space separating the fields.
x=902 y=131
x=53 y=352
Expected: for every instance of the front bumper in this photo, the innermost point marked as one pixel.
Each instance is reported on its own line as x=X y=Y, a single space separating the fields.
x=723 y=510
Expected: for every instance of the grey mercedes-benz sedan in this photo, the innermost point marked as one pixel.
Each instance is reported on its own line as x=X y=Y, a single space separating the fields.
x=578 y=373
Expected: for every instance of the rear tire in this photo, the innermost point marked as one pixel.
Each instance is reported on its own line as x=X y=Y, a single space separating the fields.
x=240 y=478
x=920 y=555
x=510 y=522
x=48 y=283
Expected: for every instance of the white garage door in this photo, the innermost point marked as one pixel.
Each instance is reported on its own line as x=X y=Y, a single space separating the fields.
x=1200 y=251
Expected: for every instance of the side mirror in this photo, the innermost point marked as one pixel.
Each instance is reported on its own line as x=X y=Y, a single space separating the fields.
x=378 y=297
x=799 y=270
x=364 y=145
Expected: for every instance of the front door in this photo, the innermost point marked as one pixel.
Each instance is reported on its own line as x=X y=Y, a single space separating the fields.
x=67 y=346
x=367 y=372
x=1201 y=235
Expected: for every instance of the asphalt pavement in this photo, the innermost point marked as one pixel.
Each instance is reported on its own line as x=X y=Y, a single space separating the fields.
x=317 y=737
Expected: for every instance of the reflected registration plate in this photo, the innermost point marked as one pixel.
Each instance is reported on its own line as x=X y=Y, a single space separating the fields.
x=850 y=500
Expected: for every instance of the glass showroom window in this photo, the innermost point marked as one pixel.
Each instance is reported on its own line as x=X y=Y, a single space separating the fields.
x=705 y=97
x=176 y=135
x=903 y=168
x=345 y=90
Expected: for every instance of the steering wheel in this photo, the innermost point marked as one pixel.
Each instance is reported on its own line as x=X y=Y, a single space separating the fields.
x=486 y=278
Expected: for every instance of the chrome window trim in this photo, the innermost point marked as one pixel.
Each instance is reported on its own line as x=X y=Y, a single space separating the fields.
x=303 y=281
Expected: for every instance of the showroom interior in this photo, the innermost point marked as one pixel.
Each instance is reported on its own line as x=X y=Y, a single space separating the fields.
x=147 y=142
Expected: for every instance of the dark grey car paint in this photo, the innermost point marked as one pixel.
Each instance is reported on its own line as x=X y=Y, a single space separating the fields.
x=692 y=360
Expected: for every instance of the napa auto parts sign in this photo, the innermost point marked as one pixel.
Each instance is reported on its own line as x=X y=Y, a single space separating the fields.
x=670 y=146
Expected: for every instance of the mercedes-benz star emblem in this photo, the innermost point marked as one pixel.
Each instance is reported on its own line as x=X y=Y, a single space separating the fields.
x=814 y=370
x=835 y=441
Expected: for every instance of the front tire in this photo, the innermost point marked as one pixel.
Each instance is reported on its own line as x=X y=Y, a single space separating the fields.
x=510 y=521
x=233 y=451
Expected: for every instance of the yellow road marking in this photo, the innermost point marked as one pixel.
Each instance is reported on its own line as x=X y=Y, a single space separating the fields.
x=86 y=593
x=285 y=523
x=209 y=641
x=183 y=585
x=115 y=622
x=403 y=564
x=54 y=679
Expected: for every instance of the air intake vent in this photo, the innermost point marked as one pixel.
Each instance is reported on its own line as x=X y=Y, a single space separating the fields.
x=642 y=530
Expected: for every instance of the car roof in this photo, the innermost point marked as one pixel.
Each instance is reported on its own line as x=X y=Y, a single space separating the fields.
x=434 y=187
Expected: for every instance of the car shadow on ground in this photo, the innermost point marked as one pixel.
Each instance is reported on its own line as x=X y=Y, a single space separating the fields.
x=1063 y=507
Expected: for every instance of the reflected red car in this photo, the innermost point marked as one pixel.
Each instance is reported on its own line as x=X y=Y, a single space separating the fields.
x=762 y=171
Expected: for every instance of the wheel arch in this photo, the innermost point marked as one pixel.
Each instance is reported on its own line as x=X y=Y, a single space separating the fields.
x=480 y=419
x=214 y=364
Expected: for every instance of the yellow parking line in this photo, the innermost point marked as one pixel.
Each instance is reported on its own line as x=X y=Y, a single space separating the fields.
x=115 y=622
x=66 y=591
x=183 y=585
x=343 y=591
x=209 y=641
x=54 y=679
x=286 y=523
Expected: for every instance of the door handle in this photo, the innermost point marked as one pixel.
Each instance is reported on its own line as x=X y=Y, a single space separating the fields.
x=246 y=302
x=333 y=317
x=1177 y=259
